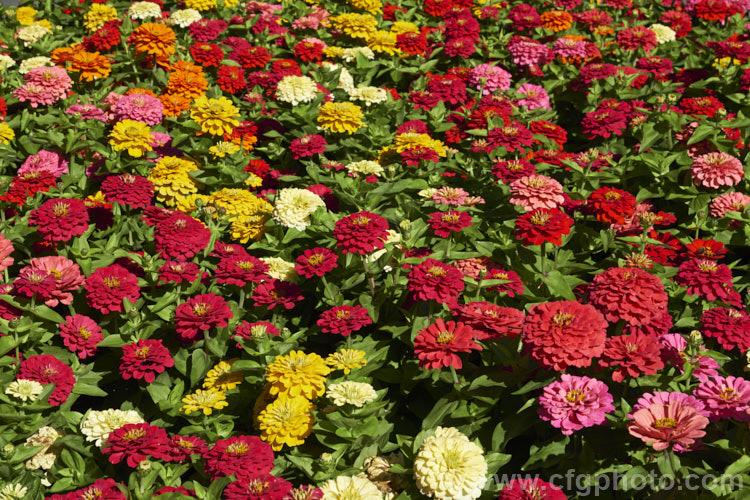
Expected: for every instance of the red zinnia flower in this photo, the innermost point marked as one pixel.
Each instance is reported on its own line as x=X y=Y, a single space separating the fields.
x=201 y=312
x=531 y=488
x=231 y=79
x=708 y=279
x=436 y=346
x=489 y=320
x=308 y=145
x=131 y=190
x=316 y=262
x=135 y=443
x=512 y=137
x=632 y=355
x=701 y=106
x=604 y=123
x=277 y=292
x=264 y=487
x=256 y=331
x=251 y=57
x=362 y=233
x=411 y=43
x=47 y=369
x=730 y=327
x=612 y=205
x=244 y=456
x=562 y=334
x=635 y=37
x=443 y=223
x=80 y=334
x=206 y=30
x=344 y=320
x=180 y=236
x=144 y=359
x=178 y=271
x=508 y=171
x=107 y=286
x=181 y=448
x=628 y=293
x=513 y=287
x=432 y=279
x=543 y=224
x=705 y=249
x=240 y=270
x=104 y=489
x=60 y=219
x=309 y=50
x=207 y=54
x=31 y=282
x=24 y=186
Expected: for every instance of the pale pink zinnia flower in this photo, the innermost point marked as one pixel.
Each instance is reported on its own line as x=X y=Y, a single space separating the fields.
x=450 y=196
x=535 y=97
x=674 y=346
x=536 y=191
x=35 y=95
x=567 y=47
x=725 y=397
x=717 y=169
x=6 y=248
x=87 y=112
x=470 y=268
x=50 y=77
x=45 y=161
x=489 y=78
x=575 y=402
x=139 y=107
x=729 y=202
x=67 y=274
x=666 y=398
x=668 y=424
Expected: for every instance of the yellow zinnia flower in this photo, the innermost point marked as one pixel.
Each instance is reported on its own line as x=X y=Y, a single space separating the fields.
x=371 y=6
x=201 y=5
x=383 y=41
x=411 y=140
x=221 y=378
x=347 y=360
x=239 y=202
x=355 y=25
x=286 y=421
x=246 y=227
x=25 y=15
x=131 y=135
x=205 y=401
x=223 y=148
x=340 y=117
x=6 y=133
x=97 y=15
x=215 y=116
x=171 y=179
x=298 y=374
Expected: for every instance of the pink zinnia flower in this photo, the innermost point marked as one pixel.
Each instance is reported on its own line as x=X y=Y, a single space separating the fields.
x=81 y=334
x=536 y=191
x=575 y=402
x=6 y=249
x=725 y=397
x=717 y=169
x=67 y=276
x=729 y=202
x=535 y=97
x=489 y=78
x=568 y=47
x=139 y=107
x=36 y=95
x=708 y=279
x=668 y=424
x=674 y=346
x=667 y=398
x=528 y=52
x=45 y=161
x=447 y=195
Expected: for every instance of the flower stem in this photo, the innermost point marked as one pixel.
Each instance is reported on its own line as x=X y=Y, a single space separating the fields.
x=370 y=277
x=543 y=251
x=455 y=376
x=448 y=249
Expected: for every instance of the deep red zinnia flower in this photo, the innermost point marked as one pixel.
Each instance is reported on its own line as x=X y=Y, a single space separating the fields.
x=706 y=249
x=708 y=279
x=490 y=321
x=131 y=190
x=264 y=487
x=245 y=456
x=34 y=283
x=513 y=285
x=240 y=270
x=632 y=355
x=135 y=443
x=81 y=334
x=316 y=262
x=432 y=279
x=635 y=37
x=207 y=54
x=531 y=488
x=438 y=345
x=444 y=223
x=231 y=79
x=178 y=271
x=362 y=233
x=47 y=369
x=565 y=333
x=144 y=359
x=107 y=286
x=277 y=292
x=604 y=123
x=307 y=146
x=104 y=489
x=508 y=171
x=60 y=219
x=513 y=137
x=255 y=331
x=180 y=236
x=543 y=224
x=628 y=293
x=730 y=327
x=612 y=205
x=201 y=312
x=181 y=448
x=344 y=320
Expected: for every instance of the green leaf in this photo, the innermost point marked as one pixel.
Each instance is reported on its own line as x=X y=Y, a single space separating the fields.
x=558 y=285
x=738 y=466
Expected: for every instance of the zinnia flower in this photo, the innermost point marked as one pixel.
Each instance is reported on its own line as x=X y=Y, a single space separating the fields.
x=340 y=117
x=47 y=369
x=81 y=334
x=565 y=333
x=135 y=443
x=286 y=421
x=204 y=401
x=628 y=293
x=536 y=191
x=531 y=488
x=60 y=219
x=316 y=262
x=350 y=488
x=346 y=360
x=6 y=249
x=674 y=350
x=543 y=224
x=632 y=355
x=612 y=205
x=263 y=487
x=362 y=233
x=298 y=374
x=107 y=286
x=240 y=270
x=725 y=397
x=489 y=320
x=708 y=279
x=444 y=223
x=437 y=345
x=25 y=390
x=155 y=39
x=296 y=89
x=66 y=274
x=201 y=312
x=180 y=236
x=729 y=202
x=344 y=320
x=449 y=466
x=573 y=403
x=730 y=327
x=276 y=292
x=130 y=190
x=144 y=359
x=294 y=206
x=432 y=279
x=131 y=135
x=244 y=456
x=353 y=393
x=717 y=169
x=215 y=116
x=665 y=425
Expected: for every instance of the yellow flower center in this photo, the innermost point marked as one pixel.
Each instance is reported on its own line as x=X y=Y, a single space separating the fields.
x=707 y=266
x=316 y=259
x=444 y=338
x=133 y=434
x=237 y=449
x=361 y=220
x=55 y=273
x=436 y=272
x=201 y=309
x=111 y=282
x=575 y=396
x=60 y=209
x=343 y=314
x=540 y=218
x=84 y=332
x=728 y=394
x=537 y=182
x=142 y=352
x=450 y=218
x=245 y=265
x=562 y=319
x=665 y=423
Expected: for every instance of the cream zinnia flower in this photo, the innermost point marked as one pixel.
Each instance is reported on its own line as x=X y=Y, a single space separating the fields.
x=33 y=33
x=144 y=10
x=294 y=206
x=45 y=436
x=13 y=491
x=369 y=95
x=663 y=33
x=185 y=17
x=33 y=62
x=365 y=167
x=280 y=269
x=350 y=488
x=99 y=424
x=353 y=393
x=350 y=54
x=450 y=467
x=296 y=89
x=6 y=61
x=25 y=390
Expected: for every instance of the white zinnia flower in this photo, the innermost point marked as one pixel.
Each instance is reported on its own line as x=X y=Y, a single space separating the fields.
x=450 y=467
x=33 y=33
x=99 y=424
x=294 y=206
x=350 y=54
x=353 y=393
x=185 y=17
x=350 y=488
x=6 y=61
x=13 y=491
x=296 y=89
x=25 y=390
x=427 y=193
x=45 y=436
x=33 y=62
x=280 y=269
x=144 y=10
x=365 y=167
x=663 y=33
x=369 y=95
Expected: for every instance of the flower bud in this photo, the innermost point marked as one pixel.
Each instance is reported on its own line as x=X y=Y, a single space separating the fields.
x=7 y=451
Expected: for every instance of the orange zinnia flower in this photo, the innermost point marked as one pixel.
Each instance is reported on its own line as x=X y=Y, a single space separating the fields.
x=557 y=20
x=140 y=91
x=92 y=65
x=155 y=39
x=188 y=85
x=62 y=55
x=174 y=104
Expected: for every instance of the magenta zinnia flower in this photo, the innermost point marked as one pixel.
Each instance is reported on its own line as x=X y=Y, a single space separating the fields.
x=664 y=425
x=81 y=334
x=575 y=402
x=344 y=320
x=107 y=286
x=709 y=279
x=674 y=346
x=725 y=397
